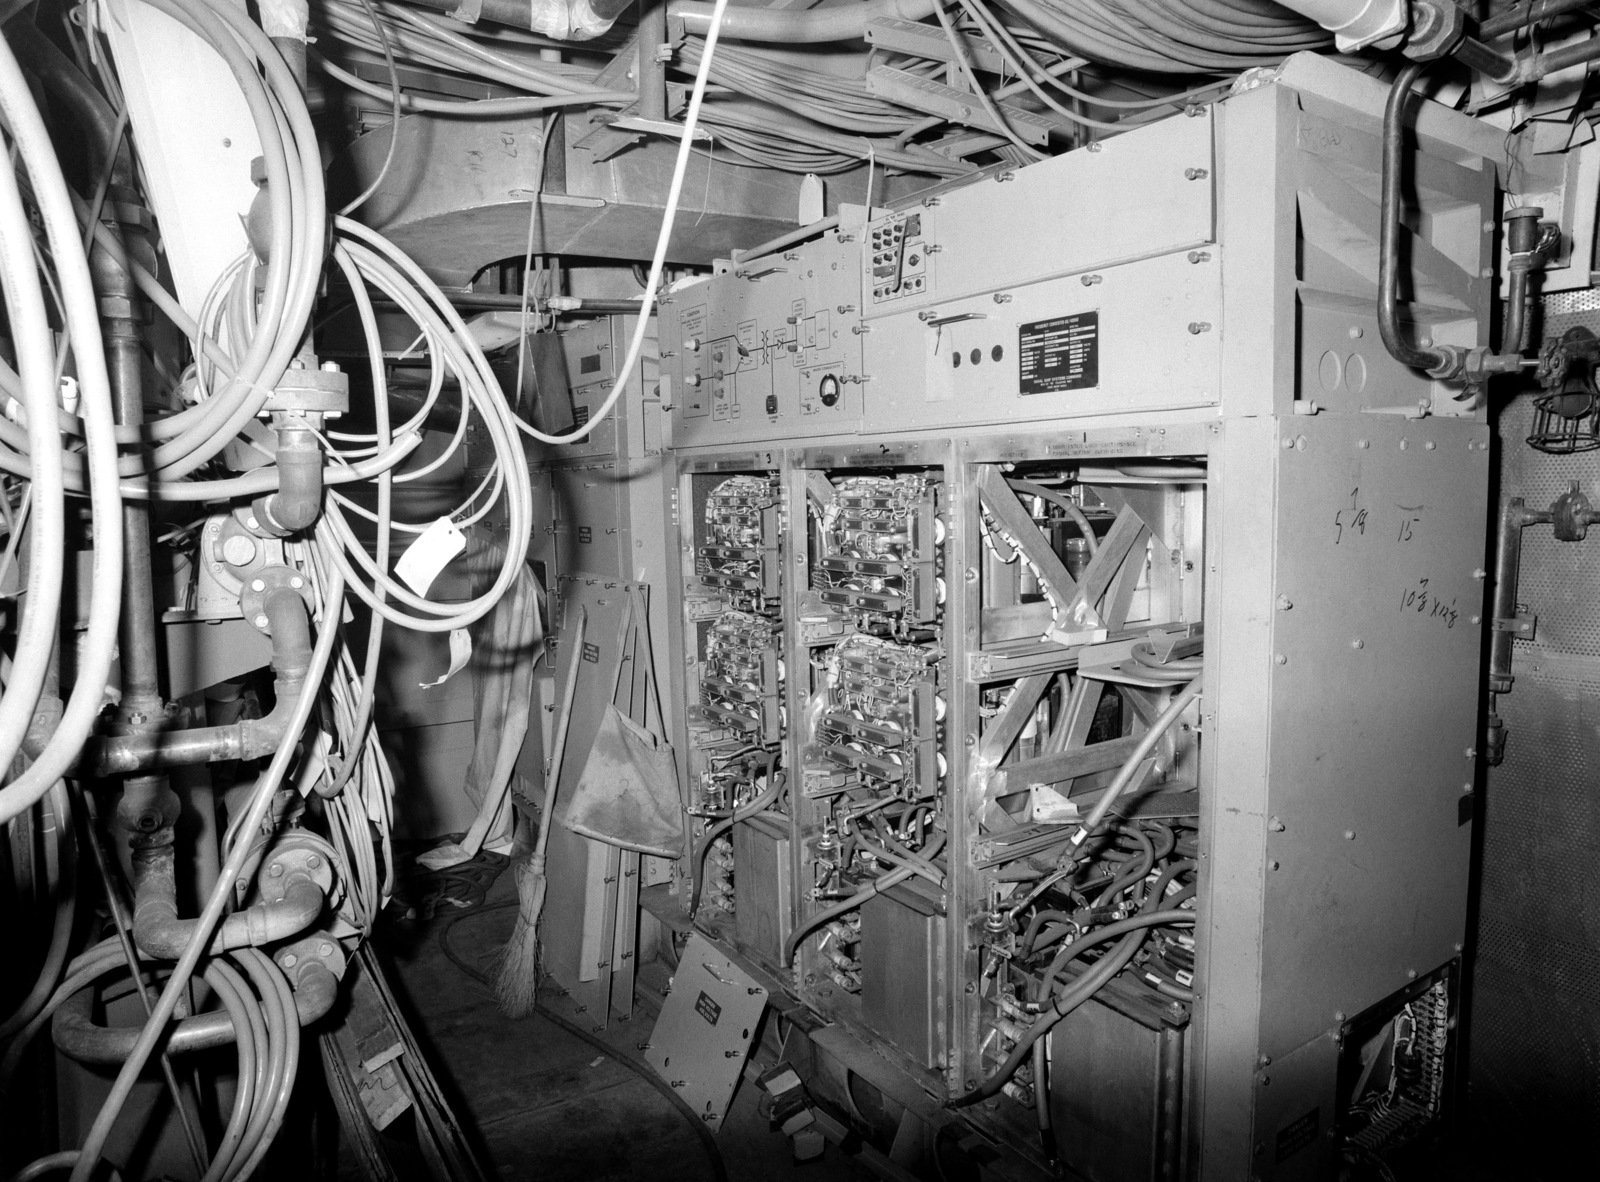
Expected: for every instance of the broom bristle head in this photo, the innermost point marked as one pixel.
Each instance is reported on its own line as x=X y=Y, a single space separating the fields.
x=516 y=984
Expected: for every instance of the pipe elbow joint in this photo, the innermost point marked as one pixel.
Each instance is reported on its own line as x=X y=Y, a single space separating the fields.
x=298 y=502
x=274 y=921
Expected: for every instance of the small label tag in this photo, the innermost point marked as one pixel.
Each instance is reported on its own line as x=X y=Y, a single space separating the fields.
x=430 y=554
x=591 y=652
x=585 y=535
x=706 y=1008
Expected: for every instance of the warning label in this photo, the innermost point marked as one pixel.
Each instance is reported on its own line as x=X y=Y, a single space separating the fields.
x=1298 y=1134
x=1059 y=354
x=706 y=1008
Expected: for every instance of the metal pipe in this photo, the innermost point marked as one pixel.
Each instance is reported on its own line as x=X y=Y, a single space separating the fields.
x=846 y=22
x=652 y=70
x=89 y=107
x=298 y=501
x=789 y=239
x=1522 y=240
x=1514 y=515
x=160 y=933
x=566 y=20
x=1389 y=229
x=1559 y=59
x=1475 y=55
x=1527 y=14
x=80 y=1038
x=249 y=738
x=564 y=305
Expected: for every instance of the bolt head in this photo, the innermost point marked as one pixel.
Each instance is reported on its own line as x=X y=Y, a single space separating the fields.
x=290 y=960
x=258 y=584
x=239 y=550
x=261 y=621
x=297 y=582
x=325 y=949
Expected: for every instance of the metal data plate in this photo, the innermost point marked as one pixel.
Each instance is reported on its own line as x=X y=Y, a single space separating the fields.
x=701 y=1039
x=1376 y=639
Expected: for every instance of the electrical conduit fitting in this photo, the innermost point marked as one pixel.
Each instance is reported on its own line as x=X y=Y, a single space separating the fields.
x=1436 y=29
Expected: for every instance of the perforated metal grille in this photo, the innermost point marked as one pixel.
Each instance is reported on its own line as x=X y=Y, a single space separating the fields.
x=1558 y=578
x=1565 y=303
x=1534 y=1021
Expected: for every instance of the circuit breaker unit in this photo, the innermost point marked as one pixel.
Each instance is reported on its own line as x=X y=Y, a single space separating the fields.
x=1086 y=478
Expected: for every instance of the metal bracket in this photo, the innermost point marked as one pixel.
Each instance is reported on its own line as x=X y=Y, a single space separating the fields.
x=934 y=320
x=1521 y=625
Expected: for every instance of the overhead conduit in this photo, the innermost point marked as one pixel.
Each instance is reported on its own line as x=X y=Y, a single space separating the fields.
x=582 y=20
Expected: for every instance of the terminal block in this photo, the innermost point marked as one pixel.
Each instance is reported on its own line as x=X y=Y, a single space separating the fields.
x=740 y=552
x=741 y=680
x=883 y=715
x=880 y=551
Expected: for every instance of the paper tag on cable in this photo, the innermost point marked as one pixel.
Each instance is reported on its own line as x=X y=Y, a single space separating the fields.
x=430 y=554
x=460 y=654
x=314 y=766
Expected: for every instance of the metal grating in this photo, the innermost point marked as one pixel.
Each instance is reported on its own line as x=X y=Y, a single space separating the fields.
x=1567 y=303
x=1534 y=1017
x=1557 y=577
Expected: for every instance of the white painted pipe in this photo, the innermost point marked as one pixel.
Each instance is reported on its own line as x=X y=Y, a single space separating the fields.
x=1356 y=24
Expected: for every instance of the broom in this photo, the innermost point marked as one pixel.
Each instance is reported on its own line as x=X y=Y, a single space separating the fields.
x=517 y=979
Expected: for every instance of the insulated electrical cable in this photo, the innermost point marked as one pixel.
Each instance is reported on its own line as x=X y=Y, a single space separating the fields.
x=99 y=641
x=30 y=333
x=394 y=115
x=1124 y=778
x=877 y=886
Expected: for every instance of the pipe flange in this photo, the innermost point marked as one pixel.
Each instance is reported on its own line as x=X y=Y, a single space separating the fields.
x=305 y=391
x=310 y=952
x=254 y=591
x=291 y=860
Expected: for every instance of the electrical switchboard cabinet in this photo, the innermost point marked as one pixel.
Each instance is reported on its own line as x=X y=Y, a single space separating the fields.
x=1084 y=477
